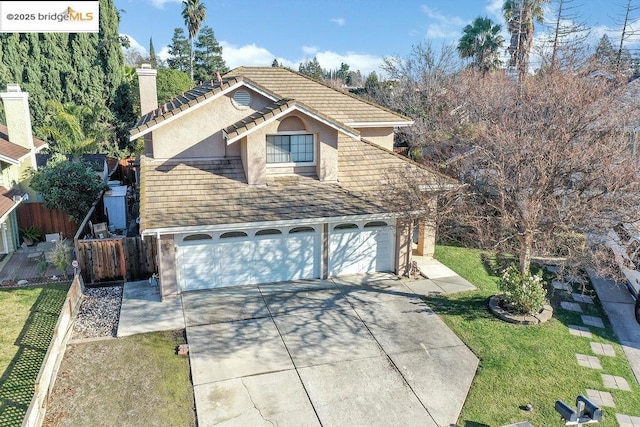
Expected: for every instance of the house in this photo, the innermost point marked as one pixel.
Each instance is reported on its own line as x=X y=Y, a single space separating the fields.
x=265 y=175
x=18 y=148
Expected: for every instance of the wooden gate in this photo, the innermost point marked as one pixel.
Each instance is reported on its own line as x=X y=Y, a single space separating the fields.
x=118 y=259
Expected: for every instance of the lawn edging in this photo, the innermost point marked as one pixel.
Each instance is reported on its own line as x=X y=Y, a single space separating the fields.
x=61 y=334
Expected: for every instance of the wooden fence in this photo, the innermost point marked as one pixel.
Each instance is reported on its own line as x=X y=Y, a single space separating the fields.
x=116 y=259
x=49 y=369
x=48 y=221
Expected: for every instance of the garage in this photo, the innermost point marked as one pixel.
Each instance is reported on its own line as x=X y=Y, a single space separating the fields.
x=364 y=247
x=234 y=258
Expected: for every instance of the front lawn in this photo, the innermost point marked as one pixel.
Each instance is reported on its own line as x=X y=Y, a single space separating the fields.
x=27 y=319
x=526 y=364
x=130 y=381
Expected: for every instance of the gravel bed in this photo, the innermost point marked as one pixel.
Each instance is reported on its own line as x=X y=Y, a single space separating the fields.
x=99 y=313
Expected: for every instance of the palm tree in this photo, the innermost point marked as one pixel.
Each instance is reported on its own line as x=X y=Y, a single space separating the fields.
x=193 y=13
x=482 y=42
x=520 y=16
x=74 y=129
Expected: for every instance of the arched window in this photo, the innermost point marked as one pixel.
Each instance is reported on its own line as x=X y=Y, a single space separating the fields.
x=345 y=226
x=375 y=224
x=268 y=231
x=301 y=230
x=193 y=237
x=230 y=234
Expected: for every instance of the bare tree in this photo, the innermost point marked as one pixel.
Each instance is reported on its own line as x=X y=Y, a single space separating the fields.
x=549 y=162
x=420 y=84
x=568 y=35
x=630 y=10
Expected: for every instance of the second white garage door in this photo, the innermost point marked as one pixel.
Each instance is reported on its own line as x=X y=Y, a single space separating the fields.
x=248 y=257
x=356 y=248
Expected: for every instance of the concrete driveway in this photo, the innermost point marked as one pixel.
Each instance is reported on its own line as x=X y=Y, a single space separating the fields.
x=349 y=352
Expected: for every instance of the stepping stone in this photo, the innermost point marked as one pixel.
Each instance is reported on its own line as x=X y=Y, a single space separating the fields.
x=627 y=421
x=561 y=286
x=603 y=349
x=619 y=383
x=582 y=298
x=580 y=331
x=592 y=321
x=588 y=361
x=600 y=398
x=571 y=306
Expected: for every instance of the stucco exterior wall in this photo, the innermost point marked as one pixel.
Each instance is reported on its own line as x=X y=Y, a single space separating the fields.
x=254 y=153
x=380 y=136
x=200 y=131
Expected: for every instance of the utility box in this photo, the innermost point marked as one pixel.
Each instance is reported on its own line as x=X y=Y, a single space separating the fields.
x=115 y=207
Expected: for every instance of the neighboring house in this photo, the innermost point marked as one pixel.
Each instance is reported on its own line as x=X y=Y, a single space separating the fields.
x=18 y=148
x=266 y=175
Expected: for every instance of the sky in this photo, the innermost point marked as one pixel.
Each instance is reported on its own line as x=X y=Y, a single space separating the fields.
x=360 y=33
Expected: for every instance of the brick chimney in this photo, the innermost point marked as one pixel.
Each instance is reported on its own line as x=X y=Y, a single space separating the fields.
x=16 y=110
x=148 y=90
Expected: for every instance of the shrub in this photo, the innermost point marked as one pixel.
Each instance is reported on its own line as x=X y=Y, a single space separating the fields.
x=522 y=293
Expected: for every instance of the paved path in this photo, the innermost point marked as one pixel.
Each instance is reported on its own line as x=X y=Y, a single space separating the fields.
x=618 y=304
x=362 y=350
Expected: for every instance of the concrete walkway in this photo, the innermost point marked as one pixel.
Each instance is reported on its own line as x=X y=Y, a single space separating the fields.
x=618 y=303
x=360 y=350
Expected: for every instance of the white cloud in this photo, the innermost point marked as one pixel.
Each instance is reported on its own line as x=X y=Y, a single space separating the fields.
x=494 y=10
x=163 y=53
x=441 y=26
x=366 y=63
x=339 y=21
x=249 y=55
x=134 y=45
x=309 y=50
x=159 y=4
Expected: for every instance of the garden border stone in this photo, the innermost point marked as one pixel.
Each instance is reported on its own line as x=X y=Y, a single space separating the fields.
x=543 y=316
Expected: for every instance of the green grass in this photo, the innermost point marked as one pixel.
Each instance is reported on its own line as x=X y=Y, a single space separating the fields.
x=27 y=320
x=129 y=381
x=526 y=364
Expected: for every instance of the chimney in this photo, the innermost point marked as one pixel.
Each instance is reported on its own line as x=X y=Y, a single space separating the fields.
x=16 y=111
x=148 y=90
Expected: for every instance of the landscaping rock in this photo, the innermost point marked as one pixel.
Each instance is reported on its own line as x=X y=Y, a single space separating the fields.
x=99 y=313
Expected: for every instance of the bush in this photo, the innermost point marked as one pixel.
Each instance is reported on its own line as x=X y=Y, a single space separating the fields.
x=523 y=294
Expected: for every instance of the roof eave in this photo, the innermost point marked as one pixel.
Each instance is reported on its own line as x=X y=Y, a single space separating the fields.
x=347 y=130
x=380 y=124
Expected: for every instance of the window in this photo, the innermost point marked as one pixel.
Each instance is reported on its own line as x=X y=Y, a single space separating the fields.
x=301 y=230
x=241 y=98
x=230 y=234
x=193 y=237
x=290 y=148
x=345 y=227
x=375 y=224
x=268 y=231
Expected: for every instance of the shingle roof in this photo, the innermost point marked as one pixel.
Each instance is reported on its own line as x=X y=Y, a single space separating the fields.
x=342 y=106
x=6 y=200
x=14 y=151
x=215 y=192
x=279 y=84
x=239 y=128
x=182 y=102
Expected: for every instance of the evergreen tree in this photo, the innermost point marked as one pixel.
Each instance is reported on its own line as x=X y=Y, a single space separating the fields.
x=207 y=56
x=84 y=69
x=605 y=55
x=152 y=54
x=179 y=51
x=312 y=69
x=275 y=63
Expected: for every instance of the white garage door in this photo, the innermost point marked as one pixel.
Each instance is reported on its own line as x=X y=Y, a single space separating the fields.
x=248 y=257
x=360 y=248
